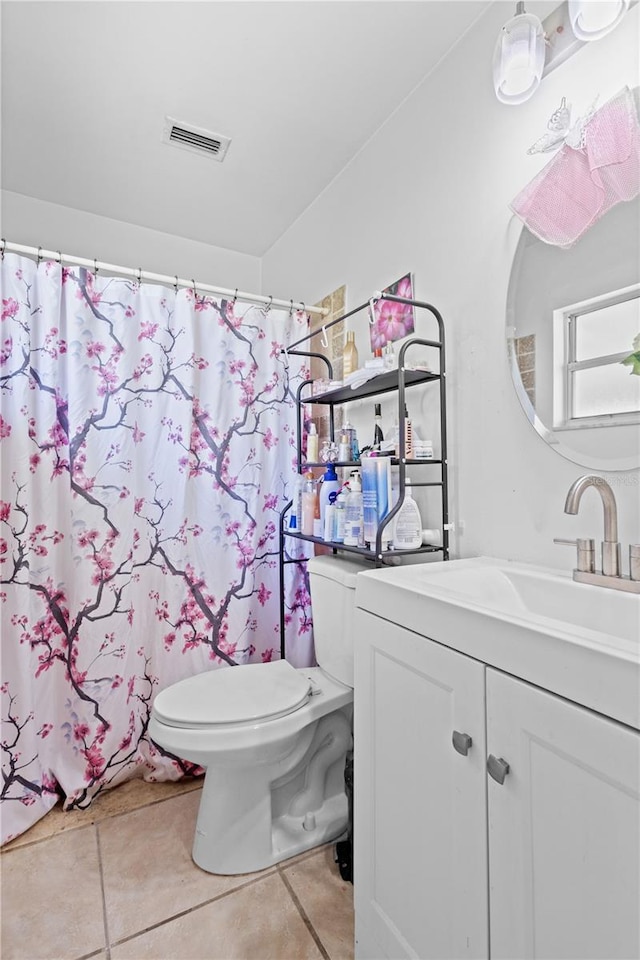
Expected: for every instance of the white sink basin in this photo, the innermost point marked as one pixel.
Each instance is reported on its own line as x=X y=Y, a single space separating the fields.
x=578 y=640
x=519 y=590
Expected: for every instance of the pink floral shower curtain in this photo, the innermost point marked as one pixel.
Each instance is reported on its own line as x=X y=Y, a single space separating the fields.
x=148 y=445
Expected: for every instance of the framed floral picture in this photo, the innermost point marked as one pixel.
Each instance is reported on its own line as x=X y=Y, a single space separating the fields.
x=392 y=321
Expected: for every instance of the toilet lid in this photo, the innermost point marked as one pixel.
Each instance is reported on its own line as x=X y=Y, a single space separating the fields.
x=246 y=694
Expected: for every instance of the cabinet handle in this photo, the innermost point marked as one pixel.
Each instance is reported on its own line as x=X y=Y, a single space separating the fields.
x=498 y=768
x=461 y=742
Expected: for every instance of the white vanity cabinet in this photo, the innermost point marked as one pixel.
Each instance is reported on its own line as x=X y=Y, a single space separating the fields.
x=420 y=816
x=451 y=863
x=564 y=828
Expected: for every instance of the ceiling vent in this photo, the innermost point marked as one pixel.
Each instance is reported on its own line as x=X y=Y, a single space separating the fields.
x=195 y=139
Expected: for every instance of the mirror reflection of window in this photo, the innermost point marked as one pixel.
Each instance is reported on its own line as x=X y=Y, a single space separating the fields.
x=595 y=389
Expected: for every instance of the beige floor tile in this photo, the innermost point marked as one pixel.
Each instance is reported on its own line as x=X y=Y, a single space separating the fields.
x=327 y=901
x=51 y=899
x=258 y=922
x=127 y=796
x=148 y=872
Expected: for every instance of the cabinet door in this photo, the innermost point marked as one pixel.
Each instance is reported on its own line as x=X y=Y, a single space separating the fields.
x=564 y=828
x=420 y=872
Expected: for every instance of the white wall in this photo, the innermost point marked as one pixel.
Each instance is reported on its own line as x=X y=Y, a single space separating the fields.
x=429 y=194
x=51 y=226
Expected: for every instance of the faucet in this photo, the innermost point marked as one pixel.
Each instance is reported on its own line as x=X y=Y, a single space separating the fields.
x=611 y=575
x=610 y=545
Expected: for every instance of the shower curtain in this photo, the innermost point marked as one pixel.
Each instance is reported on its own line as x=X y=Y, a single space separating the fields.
x=148 y=445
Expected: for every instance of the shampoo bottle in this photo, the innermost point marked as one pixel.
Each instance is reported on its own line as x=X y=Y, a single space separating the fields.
x=353 y=520
x=407 y=534
x=408 y=435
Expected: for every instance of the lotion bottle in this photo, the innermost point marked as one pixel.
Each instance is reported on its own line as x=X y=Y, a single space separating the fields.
x=309 y=497
x=407 y=532
x=312 y=443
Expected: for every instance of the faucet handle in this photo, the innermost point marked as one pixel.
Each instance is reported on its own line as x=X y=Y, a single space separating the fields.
x=586 y=561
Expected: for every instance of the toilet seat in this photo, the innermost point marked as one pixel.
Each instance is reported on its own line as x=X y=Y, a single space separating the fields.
x=248 y=694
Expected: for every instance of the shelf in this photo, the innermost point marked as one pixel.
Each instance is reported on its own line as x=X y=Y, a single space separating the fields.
x=358 y=463
x=362 y=551
x=383 y=383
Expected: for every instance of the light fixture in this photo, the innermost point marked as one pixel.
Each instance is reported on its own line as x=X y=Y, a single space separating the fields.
x=518 y=59
x=592 y=19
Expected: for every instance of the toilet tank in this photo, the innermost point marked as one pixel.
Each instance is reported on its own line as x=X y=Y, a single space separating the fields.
x=333 y=591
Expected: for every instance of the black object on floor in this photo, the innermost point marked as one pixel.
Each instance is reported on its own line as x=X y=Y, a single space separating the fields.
x=344 y=848
x=344 y=859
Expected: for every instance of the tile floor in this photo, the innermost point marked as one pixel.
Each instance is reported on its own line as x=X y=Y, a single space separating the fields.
x=117 y=882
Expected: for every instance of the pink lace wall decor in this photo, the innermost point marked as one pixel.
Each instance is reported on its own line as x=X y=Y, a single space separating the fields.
x=582 y=182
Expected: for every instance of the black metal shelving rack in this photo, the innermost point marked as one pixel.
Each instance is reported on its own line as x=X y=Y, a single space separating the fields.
x=397 y=380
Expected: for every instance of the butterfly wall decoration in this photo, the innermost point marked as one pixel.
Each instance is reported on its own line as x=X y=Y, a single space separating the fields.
x=561 y=132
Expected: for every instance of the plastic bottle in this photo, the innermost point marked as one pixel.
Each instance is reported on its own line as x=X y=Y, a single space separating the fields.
x=317 y=521
x=329 y=529
x=378 y=435
x=341 y=509
x=349 y=355
x=407 y=532
x=295 y=518
x=408 y=435
x=312 y=443
x=308 y=504
x=350 y=430
x=353 y=520
x=344 y=451
x=383 y=496
x=369 y=497
x=329 y=484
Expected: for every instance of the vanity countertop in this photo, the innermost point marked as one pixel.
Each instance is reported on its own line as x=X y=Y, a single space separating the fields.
x=579 y=641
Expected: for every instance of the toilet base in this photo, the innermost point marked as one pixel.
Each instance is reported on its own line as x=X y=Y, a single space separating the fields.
x=248 y=820
x=288 y=839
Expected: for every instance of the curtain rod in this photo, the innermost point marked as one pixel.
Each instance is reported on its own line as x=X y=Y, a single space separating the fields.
x=140 y=275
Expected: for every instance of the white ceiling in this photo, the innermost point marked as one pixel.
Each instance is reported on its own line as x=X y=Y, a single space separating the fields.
x=298 y=85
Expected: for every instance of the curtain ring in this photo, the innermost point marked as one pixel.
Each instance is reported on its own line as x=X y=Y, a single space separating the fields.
x=175 y=283
x=372 y=316
x=4 y=243
x=323 y=338
x=235 y=297
x=39 y=256
x=95 y=268
x=139 y=275
x=268 y=306
x=290 y=311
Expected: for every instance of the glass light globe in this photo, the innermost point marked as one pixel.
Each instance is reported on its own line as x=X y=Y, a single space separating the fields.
x=592 y=19
x=518 y=59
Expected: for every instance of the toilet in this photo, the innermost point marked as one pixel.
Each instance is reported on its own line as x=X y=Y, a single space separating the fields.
x=273 y=739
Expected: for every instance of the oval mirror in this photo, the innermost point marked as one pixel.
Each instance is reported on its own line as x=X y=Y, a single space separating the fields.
x=572 y=316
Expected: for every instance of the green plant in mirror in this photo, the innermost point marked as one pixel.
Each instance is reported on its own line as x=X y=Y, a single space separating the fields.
x=633 y=360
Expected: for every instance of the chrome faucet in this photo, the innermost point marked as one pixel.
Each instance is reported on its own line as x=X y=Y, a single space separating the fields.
x=610 y=545
x=611 y=564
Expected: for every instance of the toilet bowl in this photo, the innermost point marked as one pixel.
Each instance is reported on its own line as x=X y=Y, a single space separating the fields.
x=273 y=739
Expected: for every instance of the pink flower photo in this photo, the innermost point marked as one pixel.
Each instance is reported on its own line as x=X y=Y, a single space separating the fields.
x=393 y=321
